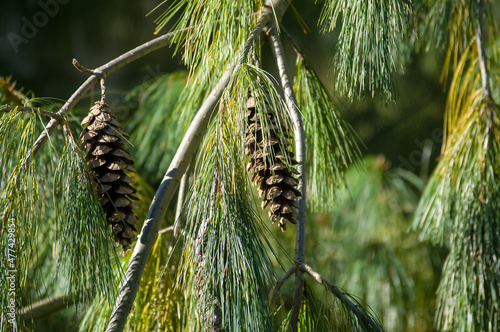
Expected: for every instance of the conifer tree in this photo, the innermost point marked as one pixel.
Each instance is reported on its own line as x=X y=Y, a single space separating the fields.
x=224 y=140
x=460 y=205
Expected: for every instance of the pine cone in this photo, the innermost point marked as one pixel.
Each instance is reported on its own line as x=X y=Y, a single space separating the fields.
x=276 y=183
x=108 y=160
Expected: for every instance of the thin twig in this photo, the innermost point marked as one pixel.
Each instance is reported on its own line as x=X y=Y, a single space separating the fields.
x=360 y=315
x=179 y=221
x=483 y=62
x=299 y=137
x=183 y=190
x=50 y=114
x=97 y=74
x=293 y=43
x=300 y=149
x=68 y=133
x=284 y=278
x=192 y=138
x=46 y=307
x=82 y=68
x=166 y=230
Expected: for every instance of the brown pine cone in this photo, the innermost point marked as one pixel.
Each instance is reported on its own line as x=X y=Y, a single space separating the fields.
x=108 y=160
x=277 y=185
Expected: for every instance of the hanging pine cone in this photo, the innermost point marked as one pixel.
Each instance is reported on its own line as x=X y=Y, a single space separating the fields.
x=108 y=160
x=276 y=183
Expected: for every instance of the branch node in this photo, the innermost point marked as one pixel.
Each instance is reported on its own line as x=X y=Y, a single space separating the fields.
x=166 y=230
x=82 y=68
x=280 y=283
x=50 y=114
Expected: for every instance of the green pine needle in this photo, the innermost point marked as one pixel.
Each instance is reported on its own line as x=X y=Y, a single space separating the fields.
x=451 y=26
x=468 y=295
x=209 y=31
x=369 y=47
x=84 y=247
x=155 y=127
x=469 y=150
x=157 y=305
x=225 y=267
x=19 y=209
x=331 y=141
x=460 y=206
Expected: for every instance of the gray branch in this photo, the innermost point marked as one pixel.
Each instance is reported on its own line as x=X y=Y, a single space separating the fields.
x=284 y=278
x=192 y=138
x=363 y=319
x=183 y=190
x=50 y=114
x=179 y=215
x=300 y=150
x=131 y=279
x=46 y=307
x=166 y=230
x=97 y=74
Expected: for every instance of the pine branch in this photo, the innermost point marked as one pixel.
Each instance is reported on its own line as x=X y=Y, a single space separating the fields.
x=483 y=62
x=103 y=91
x=179 y=211
x=166 y=230
x=50 y=114
x=300 y=147
x=131 y=280
x=183 y=190
x=285 y=277
x=367 y=322
x=163 y=196
x=97 y=75
x=46 y=307
x=293 y=43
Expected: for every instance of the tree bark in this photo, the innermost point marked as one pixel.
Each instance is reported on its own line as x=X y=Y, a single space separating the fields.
x=300 y=151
